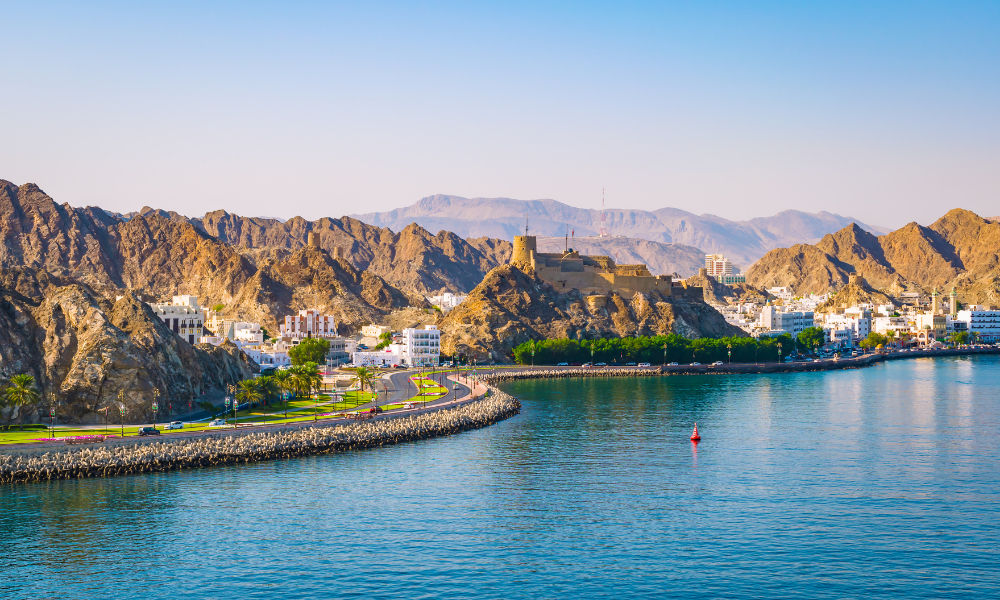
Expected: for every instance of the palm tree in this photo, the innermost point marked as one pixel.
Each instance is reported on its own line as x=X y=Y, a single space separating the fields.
x=283 y=380
x=21 y=392
x=890 y=335
x=248 y=390
x=268 y=388
x=307 y=377
x=364 y=376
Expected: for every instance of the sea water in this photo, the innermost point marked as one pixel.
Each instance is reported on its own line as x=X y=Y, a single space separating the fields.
x=877 y=482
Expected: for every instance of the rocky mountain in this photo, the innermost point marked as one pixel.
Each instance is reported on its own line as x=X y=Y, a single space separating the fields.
x=413 y=259
x=660 y=258
x=719 y=293
x=84 y=350
x=510 y=307
x=742 y=241
x=960 y=249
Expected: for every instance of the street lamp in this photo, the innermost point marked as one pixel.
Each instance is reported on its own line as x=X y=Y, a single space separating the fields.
x=730 y=347
x=121 y=408
x=52 y=414
x=232 y=390
x=156 y=394
x=779 y=351
x=664 y=354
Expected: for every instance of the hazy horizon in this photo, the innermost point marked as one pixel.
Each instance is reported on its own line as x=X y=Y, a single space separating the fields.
x=884 y=113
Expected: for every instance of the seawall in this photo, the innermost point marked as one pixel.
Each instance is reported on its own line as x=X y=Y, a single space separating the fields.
x=190 y=453
x=867 y=360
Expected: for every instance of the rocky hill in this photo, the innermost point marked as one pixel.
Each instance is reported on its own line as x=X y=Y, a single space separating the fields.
x=510 y=307
x=84 y=349
x=960 y=249
x=661 y=259
x=742 y=241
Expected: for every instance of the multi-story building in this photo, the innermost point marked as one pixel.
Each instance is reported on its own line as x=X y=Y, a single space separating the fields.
x=309 y=323
x=899 y=325
x=722 y=270
x=792 y=322
x=183 y=316
x=781 y=293
x=422 y=347
x=983 y=325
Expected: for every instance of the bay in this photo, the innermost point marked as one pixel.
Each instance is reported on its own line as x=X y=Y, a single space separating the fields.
x=879 y=482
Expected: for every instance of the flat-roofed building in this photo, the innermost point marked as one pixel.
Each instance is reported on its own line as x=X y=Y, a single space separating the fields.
x=183 y=316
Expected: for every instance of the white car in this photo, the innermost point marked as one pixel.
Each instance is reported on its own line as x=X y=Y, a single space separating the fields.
x=696 y=364
x=175 y=425
x=407 y=406
x=644 y=364
x=217 y=423
x=717 y=363
x=673 y=364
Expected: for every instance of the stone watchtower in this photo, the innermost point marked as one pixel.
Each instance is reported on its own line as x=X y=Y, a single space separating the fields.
x=314 y=239
x=855 y=279
x=525 y=249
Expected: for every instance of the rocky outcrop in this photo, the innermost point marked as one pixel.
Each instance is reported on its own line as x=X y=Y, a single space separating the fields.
x=84 y=350
x=510 y=307
x=720 y=293
x=960 y=249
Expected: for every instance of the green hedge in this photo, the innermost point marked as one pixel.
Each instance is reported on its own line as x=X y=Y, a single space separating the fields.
x=651 y=349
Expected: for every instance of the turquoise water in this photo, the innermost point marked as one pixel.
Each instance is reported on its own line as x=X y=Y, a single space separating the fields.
x=878 y=482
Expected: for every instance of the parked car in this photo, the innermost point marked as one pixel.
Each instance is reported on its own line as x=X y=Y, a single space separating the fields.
x=447 y=364
x=601 y=365
x=587 y=364
x=696 y=364
x=149 y=431
x=175 y=425
x=408 y=405
x=673 y=364
x=644 y=364
x=217 y=423
x=717 y=363
x=630 y=364
x=563 y=364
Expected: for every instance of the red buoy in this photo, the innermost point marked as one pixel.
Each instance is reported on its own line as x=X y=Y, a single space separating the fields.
x=694 y=436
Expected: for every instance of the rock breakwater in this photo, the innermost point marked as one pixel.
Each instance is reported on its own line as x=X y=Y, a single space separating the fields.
x=254 y=447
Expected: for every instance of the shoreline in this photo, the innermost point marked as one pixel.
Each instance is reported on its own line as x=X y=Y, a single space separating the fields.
x=125 y=457
x=496 y=376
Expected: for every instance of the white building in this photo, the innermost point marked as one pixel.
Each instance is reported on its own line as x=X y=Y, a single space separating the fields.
x=857 y=321
x=984 y=325
x=446 y=301
x=899 y=325
x=183 y=316
x=720 y=268
x=375 y=331
x=781 y=293
x=422 y=347
x=792 y=322
x=309 y=323
x=389 y=357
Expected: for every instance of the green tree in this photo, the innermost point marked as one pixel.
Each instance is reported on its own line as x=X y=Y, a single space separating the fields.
x=20 y=393
x=810 y=338
x=961 y=337
x=248 y=391
x=284 y=381
x=268 y=388
x=890 y=336
x=384 y=340
x=218 y=307
x=874 y=340
x=309 y=350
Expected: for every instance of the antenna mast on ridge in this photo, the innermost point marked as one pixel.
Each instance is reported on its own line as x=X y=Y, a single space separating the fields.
x=525 y=225
x=604 y=227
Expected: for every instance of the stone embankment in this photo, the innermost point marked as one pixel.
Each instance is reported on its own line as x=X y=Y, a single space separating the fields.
x=253 y=447
x=866 y=360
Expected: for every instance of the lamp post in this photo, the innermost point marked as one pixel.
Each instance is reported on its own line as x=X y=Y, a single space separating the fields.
x=52 y=414
x=730 y=348
x=156 y=394
x=779 y=351
x=664 y=354
x=121 y=410
x=232 y=390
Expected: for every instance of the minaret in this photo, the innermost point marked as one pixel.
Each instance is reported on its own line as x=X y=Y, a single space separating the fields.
x=934 y=302
x=954 y=302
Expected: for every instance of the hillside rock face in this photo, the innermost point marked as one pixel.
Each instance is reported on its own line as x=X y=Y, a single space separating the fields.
x=720 y=293
x=413 y=259
x=659 y=258
x=84 y=350
x=960 y=249
x=511 y=307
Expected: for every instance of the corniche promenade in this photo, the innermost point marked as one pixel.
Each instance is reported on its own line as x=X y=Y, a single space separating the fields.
x=124 y=458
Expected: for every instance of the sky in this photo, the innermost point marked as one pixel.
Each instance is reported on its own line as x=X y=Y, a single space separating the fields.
x=887 y=112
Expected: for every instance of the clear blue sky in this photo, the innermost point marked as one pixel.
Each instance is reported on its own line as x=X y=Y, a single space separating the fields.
x=889 y=112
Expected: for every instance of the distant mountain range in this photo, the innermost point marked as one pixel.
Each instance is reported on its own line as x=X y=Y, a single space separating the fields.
x=742 y=241
x=660 y=258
